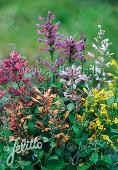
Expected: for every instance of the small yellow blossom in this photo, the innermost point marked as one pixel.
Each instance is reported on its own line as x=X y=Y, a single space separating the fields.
x=103 y=111
x=111 y=85
x=92 y=125
x=106 y=138
x=115 y=120
x=91 y=110
x=114 y=63
x=92 y=137
x=98 y=123
x=80 y=118
x=115 y=105
x=81 y=164
x=100 y=127
x=84 y=89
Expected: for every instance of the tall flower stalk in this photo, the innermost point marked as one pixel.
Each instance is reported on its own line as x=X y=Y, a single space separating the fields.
x=52 y=38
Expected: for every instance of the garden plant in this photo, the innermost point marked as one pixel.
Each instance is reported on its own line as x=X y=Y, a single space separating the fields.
x=61 y=113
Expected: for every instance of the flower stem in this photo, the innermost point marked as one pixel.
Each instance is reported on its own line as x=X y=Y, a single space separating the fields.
x=52 y=60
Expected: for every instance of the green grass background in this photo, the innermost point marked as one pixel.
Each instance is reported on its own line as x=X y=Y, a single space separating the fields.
x=19 y=17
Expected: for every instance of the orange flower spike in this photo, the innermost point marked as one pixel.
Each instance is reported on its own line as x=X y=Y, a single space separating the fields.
x=52 y=96
x=66 y=114
x=55 y=112
x=39 y=123
x=8 y=111
x=59 y=126
x=38 y=97
x=35 y=89
x=41 y=109
x=19 y=114
x=28 y=117
x=46 y=129
x=36 y=126
x=35 y=100
x=20 y=106
x=66 y=126
x=47 y=93
x=59 y=135
x=51 y=121
x=66 y=138
x=57 y=102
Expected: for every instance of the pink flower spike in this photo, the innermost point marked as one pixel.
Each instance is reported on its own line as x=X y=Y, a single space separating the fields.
x=18 y=66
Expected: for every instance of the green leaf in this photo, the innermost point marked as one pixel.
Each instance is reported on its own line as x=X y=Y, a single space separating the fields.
x=4 y=99
x=76 y=130
x=27 y=75
x=71 y=118
x=81 y=140
x=110 y=101
x=58 y=151
x=94 y=157
x=70 y=107
x=56 y=165
x=107 y=159
x=78 y=142
x=114 y=130
x=53 y=144
x=2 y=167
x=40 y=154
x=43 y=168
x=6 y=133
x=55 y=157
x=71 y=167
x=31 y=127
x=25 y=165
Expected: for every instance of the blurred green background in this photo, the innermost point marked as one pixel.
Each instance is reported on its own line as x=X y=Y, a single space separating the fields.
x=18 y=20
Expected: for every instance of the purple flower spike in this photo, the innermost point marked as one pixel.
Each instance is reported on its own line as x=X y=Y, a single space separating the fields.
x=49 y=30
x=73 y=49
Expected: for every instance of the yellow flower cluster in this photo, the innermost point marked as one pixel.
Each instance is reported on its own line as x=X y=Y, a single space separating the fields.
x=103 y=110
x=96 y=124
x=101 y=95
x=106 y=138
x=100 y=113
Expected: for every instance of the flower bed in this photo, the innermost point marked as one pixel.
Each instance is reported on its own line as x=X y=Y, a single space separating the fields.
x=60 y=114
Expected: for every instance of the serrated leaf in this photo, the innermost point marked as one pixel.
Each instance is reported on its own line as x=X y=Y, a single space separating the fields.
x=94 y=157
